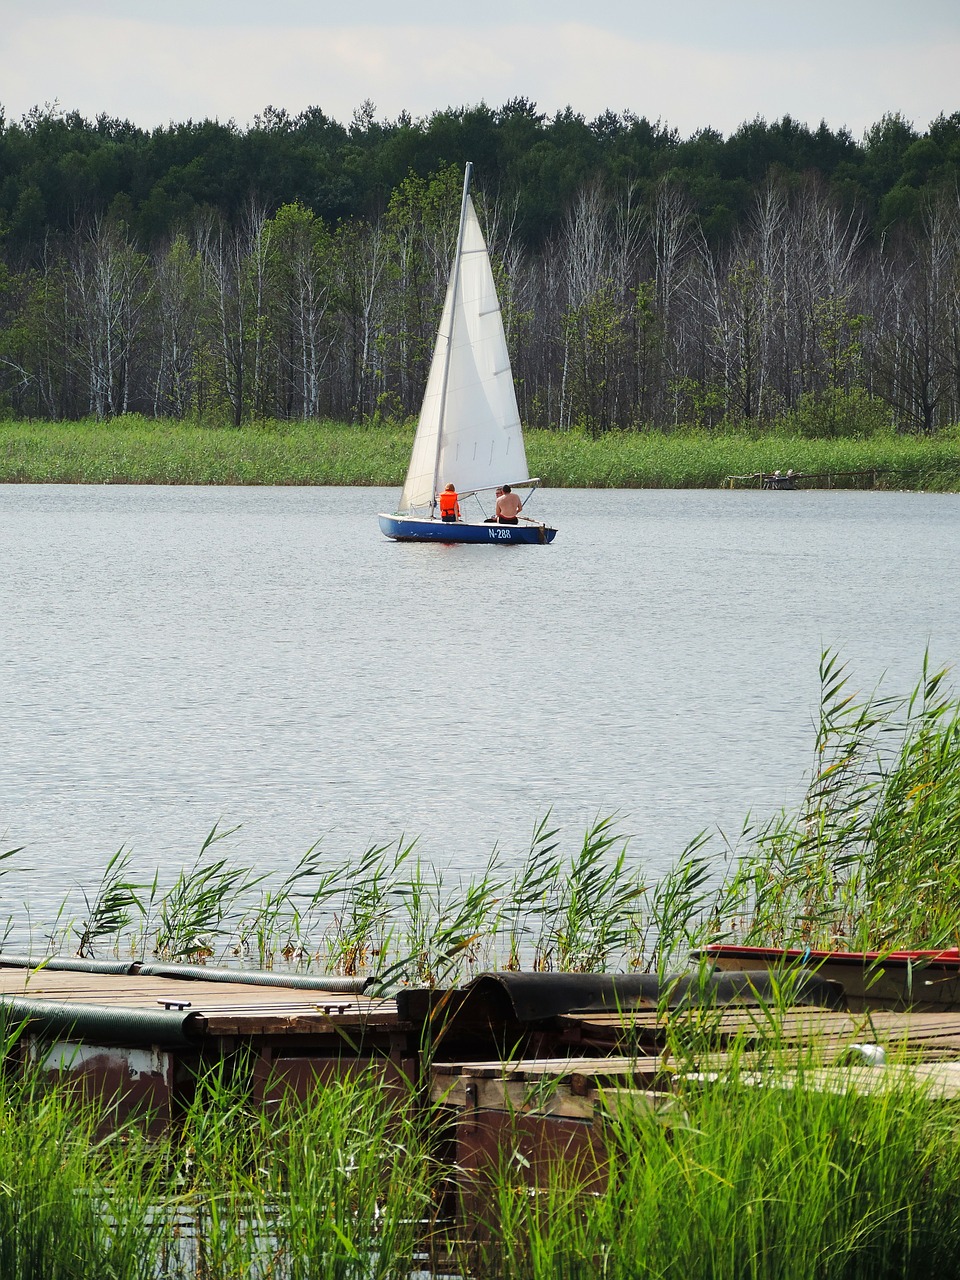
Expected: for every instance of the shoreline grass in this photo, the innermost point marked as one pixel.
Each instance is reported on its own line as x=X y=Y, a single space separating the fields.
x=135 y=450
x=756 y=1167
x=719 y=1182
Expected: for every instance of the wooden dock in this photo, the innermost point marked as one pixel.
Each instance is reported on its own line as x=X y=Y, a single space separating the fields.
x=211 y=1011
x=542 y=1062
x=914 y=1035
x=545 y=1110
x=868 y=478
x=143 y=1039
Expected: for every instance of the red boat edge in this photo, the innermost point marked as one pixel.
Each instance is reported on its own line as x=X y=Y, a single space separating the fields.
x=810 y=956
x=923 y=980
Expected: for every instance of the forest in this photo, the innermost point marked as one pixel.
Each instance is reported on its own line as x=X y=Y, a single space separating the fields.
x=295 y=269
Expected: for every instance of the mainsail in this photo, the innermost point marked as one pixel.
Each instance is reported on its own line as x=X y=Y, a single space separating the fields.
x=469 y=430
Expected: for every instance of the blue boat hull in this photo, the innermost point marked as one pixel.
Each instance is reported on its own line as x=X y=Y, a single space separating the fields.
x=412 y=529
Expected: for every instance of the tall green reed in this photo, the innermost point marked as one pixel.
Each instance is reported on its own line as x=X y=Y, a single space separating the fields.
x=765 y=1166
x=111 y=910
x=521 y=909
x=869 y=860
x=588 y=914
x=775 y=1173
x=360 y=930
x=136 y=450
x=73 y=1202
x=191 y=916
x=340 y=1184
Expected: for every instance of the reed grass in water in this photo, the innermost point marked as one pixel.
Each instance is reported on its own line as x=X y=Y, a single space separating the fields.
x=738 y=1181
x=869 y=861
x=761 y=1164
x=713 y=1183
x=135 y=450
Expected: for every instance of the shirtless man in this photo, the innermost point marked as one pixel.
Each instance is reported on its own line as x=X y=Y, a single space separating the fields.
x=509 y=507
x=493 y=519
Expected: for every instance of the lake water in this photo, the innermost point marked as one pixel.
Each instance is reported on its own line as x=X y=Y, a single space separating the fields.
x=175 y=657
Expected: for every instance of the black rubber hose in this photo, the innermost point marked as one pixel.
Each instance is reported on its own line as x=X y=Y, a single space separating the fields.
x=101 y=1024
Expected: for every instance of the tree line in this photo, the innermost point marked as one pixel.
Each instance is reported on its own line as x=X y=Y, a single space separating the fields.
x=297 y=269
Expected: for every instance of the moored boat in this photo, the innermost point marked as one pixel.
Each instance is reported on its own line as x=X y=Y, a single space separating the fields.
x=921 y=980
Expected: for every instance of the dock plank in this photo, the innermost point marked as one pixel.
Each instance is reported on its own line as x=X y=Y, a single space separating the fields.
x=903 y=1031
x=225 y=1008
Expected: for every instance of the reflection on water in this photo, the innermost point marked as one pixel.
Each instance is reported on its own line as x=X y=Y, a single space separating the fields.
x=264 y=657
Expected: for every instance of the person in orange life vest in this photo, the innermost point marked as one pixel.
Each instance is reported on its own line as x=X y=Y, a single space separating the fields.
x=449 y=504
x=509 y=507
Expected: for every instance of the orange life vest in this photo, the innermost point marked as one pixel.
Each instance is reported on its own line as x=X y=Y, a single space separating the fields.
x=449 y=505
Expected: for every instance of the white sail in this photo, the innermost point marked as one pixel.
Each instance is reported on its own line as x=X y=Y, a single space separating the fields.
x=469 y=430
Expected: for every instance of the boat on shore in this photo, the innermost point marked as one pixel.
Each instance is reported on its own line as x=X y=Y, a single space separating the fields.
x=920 y=980
x=469 y=434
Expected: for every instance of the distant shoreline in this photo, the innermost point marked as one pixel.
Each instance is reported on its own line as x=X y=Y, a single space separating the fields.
x=136 y=450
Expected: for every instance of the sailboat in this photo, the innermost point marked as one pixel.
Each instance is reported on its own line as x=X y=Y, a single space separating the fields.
x=468 y=434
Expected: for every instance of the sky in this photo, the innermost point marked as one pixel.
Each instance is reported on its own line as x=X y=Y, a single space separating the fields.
x=690 y=64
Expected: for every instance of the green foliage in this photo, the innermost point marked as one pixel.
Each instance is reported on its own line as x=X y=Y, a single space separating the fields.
x=869 y=862
x=112 y=908
x=72 y=1204
x=342 y=1184
x=596 y=333
x=298 y=269
x=835 y=413
x=56 y=162
x=696 y=403
x=588 y=915
x=717 y=1183
x=772 y=1168
x=192 y=915
x=133 y=450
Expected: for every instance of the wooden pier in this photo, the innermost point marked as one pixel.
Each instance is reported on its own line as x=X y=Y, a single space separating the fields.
x=538 y=1061
x=143 y=1038
x=868 y=478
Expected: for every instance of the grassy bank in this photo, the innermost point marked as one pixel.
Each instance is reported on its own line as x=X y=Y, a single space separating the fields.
x=720 y=1184
x=140 y=451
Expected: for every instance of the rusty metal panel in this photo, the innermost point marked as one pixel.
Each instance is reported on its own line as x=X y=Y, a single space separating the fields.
x=136 y=1081
x=536 y=1148
x=302 y=1074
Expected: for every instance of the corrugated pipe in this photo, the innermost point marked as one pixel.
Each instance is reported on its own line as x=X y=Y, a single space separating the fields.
x=68 y=963
x=163 y=969
x=257 y=977
x=101 y=1024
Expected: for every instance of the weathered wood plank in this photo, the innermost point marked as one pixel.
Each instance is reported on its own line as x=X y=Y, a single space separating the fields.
x=226 y=1009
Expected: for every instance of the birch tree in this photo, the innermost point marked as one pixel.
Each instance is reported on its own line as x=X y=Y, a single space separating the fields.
x=300 y=276
x=178 y=374
x=109 y=287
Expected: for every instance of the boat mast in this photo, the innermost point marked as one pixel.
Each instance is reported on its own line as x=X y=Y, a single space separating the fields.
x=454 y=289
